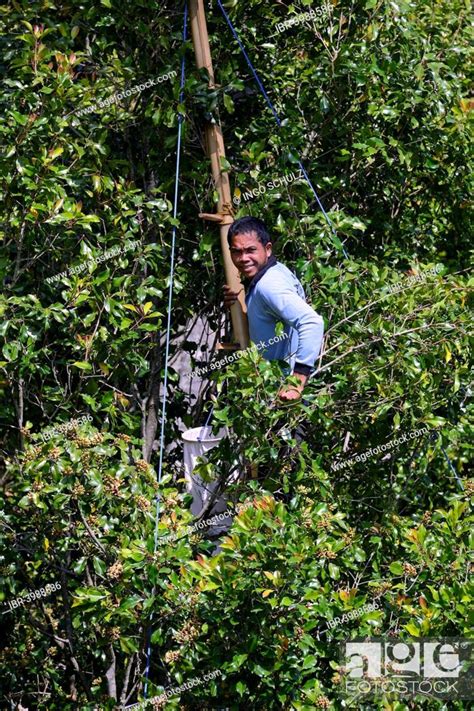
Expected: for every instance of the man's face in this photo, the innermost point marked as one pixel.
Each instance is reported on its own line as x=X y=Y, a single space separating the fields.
x=248 y=253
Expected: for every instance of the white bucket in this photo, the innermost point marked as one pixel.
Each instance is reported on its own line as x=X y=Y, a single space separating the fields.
x=196 y=442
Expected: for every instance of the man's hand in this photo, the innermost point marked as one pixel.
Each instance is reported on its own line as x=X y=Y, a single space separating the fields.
x=230 y=297
x=291 y=393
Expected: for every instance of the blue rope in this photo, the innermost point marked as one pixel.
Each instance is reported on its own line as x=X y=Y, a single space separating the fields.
x=277 y=119
x=168 y=326
x=450 y=465
x=437 y=435
x=201 y=436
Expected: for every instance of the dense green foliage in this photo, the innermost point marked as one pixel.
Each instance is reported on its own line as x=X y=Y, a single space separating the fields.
x=376 y=100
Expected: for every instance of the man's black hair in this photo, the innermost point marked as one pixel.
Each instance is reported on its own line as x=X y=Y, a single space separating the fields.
x=247 y=224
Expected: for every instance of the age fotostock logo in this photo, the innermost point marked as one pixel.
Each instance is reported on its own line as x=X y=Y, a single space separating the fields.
x=441 y=668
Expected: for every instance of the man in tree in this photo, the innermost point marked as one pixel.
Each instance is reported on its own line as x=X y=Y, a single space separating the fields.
x=274 y=294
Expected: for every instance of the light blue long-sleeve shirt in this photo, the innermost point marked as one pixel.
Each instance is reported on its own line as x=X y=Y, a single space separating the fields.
x=279 y=296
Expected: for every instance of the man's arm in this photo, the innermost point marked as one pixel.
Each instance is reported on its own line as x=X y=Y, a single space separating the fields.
x=287 y=306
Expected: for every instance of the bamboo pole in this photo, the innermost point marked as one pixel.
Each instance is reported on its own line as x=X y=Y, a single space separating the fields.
x=216 y=151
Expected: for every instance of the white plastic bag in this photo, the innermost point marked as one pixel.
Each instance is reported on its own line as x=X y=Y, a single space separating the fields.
x=196 y=442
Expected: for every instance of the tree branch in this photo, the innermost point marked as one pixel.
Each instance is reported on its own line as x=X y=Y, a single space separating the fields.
x=110 y=675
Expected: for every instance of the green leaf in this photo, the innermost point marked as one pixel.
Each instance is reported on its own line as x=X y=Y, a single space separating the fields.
x=83 y=365
x=412 y=629
x=127 y=644
x=87 y=595
x=99 y=566
x=20 y=118
x=396 y=568
x=241 y=688
x=225 y=165
x=229 y=104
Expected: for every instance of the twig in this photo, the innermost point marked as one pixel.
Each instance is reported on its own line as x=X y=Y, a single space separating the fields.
x=123 y=696
x=91 y=532
x=110 y=675
x=376 y=340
